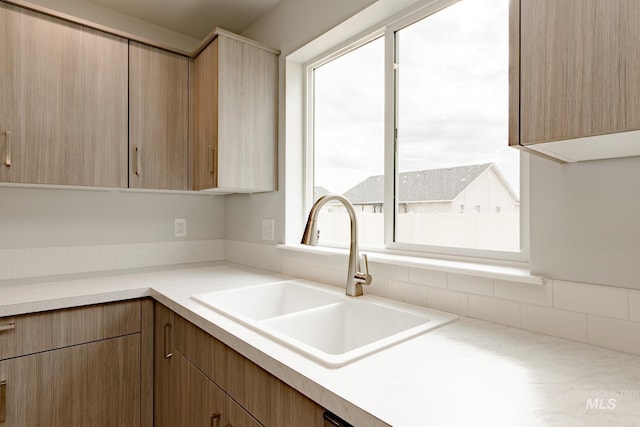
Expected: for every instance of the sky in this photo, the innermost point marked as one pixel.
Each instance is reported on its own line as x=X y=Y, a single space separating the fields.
x=452 y=99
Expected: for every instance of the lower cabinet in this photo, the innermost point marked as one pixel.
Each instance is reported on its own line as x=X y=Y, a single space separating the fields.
x=73 y=368
x=96 y=384
x=199 y=381
x=200 y=402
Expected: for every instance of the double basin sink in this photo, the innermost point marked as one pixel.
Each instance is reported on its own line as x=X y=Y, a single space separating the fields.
x=321 y=322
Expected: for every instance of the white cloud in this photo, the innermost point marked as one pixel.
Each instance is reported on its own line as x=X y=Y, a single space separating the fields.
x=453 y=99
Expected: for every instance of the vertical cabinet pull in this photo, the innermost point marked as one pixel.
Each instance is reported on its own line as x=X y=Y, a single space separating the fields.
x=138 y=164
x=9 y=327
x=211 y=158
x=167 y=330
x=3 y=401
x=7 y=153
x=215 y=419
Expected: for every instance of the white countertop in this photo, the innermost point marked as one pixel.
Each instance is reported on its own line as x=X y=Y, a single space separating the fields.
x=469 y=372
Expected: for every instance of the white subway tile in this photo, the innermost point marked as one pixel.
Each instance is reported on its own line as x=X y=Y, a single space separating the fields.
x=5 y=271
x=143 y=248
x=233 y=251
x=100 y=264
x=408 y=292
x=634 y=305
x=554 y=321
x=436 y=279
x=14 y=256
x=214 y=245
x=389 y=271
x=495 y=310
x=67 y=267
x=196 y=245
x=523 y=292
x=618 y=334
x=50 y=255
x=20 y=271
x=446 y=300
x=329 y=276
x=303 y=270
x=114 y=250
x=269 y=258
x=379 y=287
x=470 y=284
x=289 y=267
x=83 y=252
x=138 y=261
x=173 y=248
x=593 y=299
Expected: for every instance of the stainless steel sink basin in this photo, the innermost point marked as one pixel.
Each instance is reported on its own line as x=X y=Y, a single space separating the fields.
x=322 y=323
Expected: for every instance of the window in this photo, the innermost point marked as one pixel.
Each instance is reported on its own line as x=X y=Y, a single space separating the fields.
x=348 y=128
x=441 y=145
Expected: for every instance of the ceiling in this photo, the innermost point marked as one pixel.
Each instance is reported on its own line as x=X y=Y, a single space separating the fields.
x=194 y=18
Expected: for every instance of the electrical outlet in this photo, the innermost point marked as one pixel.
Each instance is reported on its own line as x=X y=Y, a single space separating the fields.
x=180 y=227
x=267 y=229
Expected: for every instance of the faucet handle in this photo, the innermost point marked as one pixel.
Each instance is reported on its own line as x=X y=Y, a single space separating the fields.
x=364 y=278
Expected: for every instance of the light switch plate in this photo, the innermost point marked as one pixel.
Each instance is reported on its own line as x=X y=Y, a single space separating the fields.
x=267 y=229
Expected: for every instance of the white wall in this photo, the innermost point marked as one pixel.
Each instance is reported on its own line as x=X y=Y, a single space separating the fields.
x=585 y=221
x=33 y=218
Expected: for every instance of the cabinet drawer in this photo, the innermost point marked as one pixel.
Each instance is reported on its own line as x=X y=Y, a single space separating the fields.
x=33 y=333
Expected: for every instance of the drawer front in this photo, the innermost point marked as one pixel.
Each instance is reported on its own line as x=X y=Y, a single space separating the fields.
x=33 y=333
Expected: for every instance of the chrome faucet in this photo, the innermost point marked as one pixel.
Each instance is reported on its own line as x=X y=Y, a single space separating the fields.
x=355 y=278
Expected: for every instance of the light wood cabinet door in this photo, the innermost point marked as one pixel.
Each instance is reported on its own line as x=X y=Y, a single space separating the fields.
x=95 y=384
x=260 y=394
x=579 y=68
x=199 y=402
x=235 y=105
x=158 y=119
x=63 y=98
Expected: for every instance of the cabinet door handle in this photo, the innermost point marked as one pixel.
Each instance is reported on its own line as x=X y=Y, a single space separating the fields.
x=211 y=158
x=167 y=329
x=7 y=155
x=10 y=326
x=3 y=401
x=215 y=419
x=138 y=164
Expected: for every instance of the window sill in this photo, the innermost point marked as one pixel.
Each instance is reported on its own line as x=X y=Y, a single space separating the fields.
x=513 y=272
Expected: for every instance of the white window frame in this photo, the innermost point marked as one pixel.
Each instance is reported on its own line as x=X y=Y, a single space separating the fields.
x=387 y=30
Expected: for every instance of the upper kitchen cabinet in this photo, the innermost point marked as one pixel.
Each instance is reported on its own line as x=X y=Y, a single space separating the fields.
x=158 y=119
x=63 y=102
x=235 y=103
x=575 y=78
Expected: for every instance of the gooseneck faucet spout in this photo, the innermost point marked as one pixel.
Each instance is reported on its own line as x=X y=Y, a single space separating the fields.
x=355 y=277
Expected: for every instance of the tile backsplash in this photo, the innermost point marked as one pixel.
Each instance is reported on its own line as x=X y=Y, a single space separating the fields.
x=37 y=262
x=605 y=316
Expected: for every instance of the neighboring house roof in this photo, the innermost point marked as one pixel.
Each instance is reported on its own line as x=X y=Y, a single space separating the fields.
x=420 y=186
x=319 y=191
